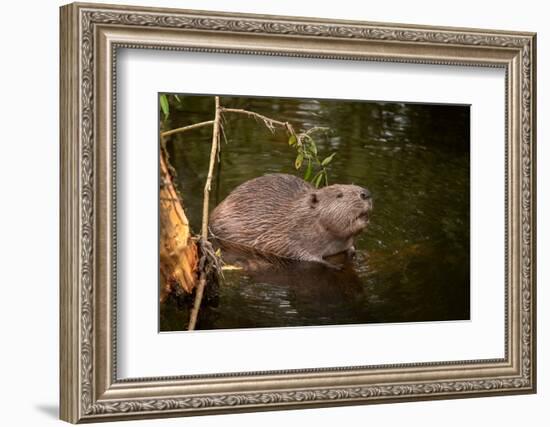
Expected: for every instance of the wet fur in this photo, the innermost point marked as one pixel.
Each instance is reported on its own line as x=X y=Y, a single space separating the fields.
x=285 y=216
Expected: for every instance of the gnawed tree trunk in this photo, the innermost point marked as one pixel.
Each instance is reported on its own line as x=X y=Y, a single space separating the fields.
x=178 y=251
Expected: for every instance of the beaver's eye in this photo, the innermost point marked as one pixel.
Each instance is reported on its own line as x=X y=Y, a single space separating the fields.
x=340 y=195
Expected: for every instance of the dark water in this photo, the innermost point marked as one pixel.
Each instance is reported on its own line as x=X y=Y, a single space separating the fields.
x=412 y=262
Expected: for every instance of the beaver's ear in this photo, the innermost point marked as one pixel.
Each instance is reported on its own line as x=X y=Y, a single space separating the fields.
x=313 y=200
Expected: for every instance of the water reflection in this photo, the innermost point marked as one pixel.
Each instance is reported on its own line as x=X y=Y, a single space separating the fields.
x=413 y=261
x=286 y=294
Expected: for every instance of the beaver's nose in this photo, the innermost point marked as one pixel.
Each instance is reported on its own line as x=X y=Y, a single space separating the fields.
x=365 y=194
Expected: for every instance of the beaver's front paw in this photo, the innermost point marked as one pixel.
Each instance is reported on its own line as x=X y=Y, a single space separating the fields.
x=351 y=252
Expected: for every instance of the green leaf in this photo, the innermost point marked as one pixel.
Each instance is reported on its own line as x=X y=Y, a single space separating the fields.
x=317 y=180
x=164 y=105
x=292 y=140
x=328 y=159
x=299 y=160
x=309 y=171
x=313 y=148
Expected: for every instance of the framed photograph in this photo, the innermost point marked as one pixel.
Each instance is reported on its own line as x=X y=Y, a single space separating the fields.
x=267 y=212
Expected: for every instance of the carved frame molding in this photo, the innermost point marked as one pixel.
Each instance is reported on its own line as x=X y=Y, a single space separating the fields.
x=90 y=37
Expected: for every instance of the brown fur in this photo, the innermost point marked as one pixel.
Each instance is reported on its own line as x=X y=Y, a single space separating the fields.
x=285 y=216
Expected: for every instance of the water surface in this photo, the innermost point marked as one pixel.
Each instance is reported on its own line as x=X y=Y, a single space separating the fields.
x=412 y=262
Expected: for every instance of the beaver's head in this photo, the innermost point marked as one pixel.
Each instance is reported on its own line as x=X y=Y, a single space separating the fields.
x=342 y=209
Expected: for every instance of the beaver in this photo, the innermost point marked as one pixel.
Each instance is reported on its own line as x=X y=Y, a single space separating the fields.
x=285 y=216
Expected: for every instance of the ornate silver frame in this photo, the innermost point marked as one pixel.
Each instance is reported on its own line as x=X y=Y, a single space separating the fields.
x=90 y=36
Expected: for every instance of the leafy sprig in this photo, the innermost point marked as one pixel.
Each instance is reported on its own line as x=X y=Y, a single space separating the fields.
x=316 y=171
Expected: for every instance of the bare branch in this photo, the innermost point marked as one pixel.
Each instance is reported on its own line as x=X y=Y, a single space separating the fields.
x=205 y=207
x=268 y=122
x=186 y=128
x=213 y=156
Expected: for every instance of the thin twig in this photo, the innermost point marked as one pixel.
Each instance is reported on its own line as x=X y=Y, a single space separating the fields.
x=269 y=122
x=186 y=128
x=205 y=207
x=197 y=302
x=213 y=155
x=222 y=128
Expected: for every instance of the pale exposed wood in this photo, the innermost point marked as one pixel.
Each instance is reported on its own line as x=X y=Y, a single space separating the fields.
x=178 y=251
